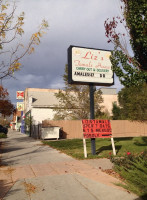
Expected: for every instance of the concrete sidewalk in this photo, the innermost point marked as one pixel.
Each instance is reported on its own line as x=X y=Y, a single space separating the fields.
x=34 y=171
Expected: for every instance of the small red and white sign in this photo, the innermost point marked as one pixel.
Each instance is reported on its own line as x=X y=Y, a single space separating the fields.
x=93 y=128
x=96 y=128
x=20 y=95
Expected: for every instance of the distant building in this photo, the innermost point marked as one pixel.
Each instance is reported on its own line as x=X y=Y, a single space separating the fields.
x=109 y=96
x=16 y=121
x=39 y=103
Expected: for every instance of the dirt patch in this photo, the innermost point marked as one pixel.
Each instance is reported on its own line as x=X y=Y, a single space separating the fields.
x=29 y=188
x=111 y=172
x=9 y=171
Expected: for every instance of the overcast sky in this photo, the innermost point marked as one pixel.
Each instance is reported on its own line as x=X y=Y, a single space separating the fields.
x=71 y=22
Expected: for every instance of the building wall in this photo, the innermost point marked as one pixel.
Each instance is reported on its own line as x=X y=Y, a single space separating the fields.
x=29 y=94
x=108 y=102
x=120 y=128
x=16 y=114
x=15 y=123
x=40 y=114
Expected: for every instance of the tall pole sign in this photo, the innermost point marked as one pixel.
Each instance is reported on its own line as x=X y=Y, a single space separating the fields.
x=91 y=67
x=20 y=95
x=20 y=107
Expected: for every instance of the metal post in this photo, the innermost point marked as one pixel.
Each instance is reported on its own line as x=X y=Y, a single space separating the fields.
x=91 y=92
x=30 y=125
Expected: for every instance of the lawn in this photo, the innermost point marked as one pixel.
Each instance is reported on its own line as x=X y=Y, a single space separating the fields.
x=74 y=147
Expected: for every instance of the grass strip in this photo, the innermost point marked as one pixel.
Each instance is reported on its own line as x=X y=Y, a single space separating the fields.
x=74 y=147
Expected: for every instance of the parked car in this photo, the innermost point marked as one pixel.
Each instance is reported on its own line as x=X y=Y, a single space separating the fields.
x=3 y=129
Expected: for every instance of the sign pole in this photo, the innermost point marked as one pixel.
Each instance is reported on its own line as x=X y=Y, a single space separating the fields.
x=91 y=93
x=113 y=146
x=85 y=149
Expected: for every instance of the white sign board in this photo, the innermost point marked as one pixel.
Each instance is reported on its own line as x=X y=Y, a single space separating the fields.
x=20 y=106
x=89 y=66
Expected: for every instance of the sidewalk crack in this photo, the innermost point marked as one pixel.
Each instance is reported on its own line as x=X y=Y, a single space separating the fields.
x=86 y=188
x=32 y=170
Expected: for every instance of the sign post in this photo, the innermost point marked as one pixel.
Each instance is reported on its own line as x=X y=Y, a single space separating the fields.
x=91 y=91
x=85 y=150
x=88 y=66
x=113 y=146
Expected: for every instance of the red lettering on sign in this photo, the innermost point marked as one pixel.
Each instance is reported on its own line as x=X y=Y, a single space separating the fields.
x=89 y=55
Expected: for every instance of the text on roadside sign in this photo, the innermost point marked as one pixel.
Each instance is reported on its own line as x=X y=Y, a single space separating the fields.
x=96 y=128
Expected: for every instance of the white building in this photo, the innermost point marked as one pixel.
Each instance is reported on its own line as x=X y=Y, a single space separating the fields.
x=40 y=102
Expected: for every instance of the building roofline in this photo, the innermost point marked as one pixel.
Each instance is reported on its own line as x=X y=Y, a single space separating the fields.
x=41 y=90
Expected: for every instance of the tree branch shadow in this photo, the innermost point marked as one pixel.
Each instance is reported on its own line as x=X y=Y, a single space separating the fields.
x=143 y=143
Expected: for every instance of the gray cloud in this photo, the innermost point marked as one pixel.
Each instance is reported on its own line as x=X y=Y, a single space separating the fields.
x=71 y=22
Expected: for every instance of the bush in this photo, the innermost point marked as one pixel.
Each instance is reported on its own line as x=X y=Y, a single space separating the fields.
x=133 y=168
x=3 y=135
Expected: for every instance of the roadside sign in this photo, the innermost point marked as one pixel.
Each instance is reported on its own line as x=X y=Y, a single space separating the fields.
x=93 y=128
x=20 y=106
x=88 y=65
x=20 y=95
x=96 y=128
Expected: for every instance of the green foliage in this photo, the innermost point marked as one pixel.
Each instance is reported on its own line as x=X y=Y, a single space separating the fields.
x=130 y=64
x=103 y=115
x=133 y=168
x=129 y=74
x=74 y=102
x=131 y=70
x=133 y=103
x=28 y=123
x=2 y=135
x=135 y=12
x=116 y=110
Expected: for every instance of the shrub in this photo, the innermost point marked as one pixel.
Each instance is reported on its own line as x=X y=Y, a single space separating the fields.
x=2 y=135
x=133 y=168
